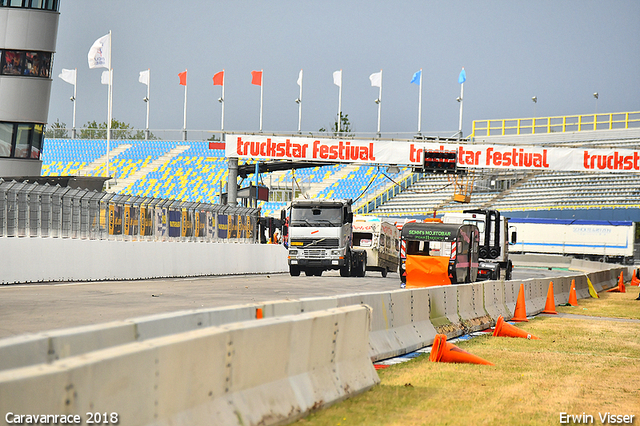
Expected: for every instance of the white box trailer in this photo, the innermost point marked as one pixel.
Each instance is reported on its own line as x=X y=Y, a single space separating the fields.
x=611 y=241
x=380 y=239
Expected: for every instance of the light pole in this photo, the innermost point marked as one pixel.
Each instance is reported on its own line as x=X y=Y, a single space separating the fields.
x=535 y=101
x=595 y=116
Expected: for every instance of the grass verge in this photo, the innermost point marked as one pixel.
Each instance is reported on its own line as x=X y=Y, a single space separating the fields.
x=614 y=305
x=579 y=366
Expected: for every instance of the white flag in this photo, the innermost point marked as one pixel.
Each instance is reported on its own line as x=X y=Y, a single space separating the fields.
x=68 y=75
x=376 y=79
x=337 y=78
x=144 y=77
x=99 y=53
x=104 y=79
x=300 y=79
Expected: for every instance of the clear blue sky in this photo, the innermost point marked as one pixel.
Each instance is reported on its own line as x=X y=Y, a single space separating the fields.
x=560 y=51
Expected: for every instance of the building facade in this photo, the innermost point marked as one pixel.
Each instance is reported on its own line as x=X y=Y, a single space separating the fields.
x=28 y=32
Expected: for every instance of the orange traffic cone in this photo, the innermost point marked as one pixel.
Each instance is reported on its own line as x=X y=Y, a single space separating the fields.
x=573 y=298
x=443 y=351
x=634 y=279
x=550 y=306
x=504 y=329
x=520 y=313
x=621 y=288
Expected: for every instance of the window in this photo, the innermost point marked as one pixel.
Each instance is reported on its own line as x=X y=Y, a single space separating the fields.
x=6 y=135
x=31 y=4
x=22 y=141
x=32 y=64
x=36 y=141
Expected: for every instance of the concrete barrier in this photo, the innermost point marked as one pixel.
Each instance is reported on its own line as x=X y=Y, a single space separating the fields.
x=471 y=307
x=494 y=301
x=541 y=260
x=212 y=375
x=444 y=310
x=67 y=259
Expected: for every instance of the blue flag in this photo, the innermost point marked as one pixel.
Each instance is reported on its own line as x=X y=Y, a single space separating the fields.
x=417 y=76
x=462 y=77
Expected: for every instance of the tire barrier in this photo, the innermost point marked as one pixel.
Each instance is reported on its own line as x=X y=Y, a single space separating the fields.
x=212 y=375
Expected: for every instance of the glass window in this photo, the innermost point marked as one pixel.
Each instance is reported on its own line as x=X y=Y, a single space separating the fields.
x=36 y=4
x=36 y=141
x=30 y=64
x=44 y=64
x=15 y=3
x=12 y=62
x=22 y=141
x=6 y=133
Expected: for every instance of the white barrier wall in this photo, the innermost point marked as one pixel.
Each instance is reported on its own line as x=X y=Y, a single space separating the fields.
x=250 y=373
x=58 y=259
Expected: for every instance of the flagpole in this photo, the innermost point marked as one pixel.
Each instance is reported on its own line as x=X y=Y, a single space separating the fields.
x=75 y=81
x=184 y=127
x=146 y=133
x=222 y=118
x=379 y=102
x=261 y=92
x=109 y=110
x=420 y=104
x=461 y=104
x=340 y=105
x=300 y=104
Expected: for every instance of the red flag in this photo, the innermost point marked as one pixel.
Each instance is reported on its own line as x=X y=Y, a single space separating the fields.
x=183 y=78
x=256 y=78
x=218 y=78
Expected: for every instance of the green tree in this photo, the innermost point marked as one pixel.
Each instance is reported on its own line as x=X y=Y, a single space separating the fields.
x=345 y=127
x=119 y=130
x=56 y=130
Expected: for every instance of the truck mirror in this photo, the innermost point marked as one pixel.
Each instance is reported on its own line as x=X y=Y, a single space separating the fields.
x=514 y=237
x=350 y=217
x=283 y=215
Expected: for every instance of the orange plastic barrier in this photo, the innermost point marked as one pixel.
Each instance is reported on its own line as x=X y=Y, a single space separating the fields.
x=427 y=271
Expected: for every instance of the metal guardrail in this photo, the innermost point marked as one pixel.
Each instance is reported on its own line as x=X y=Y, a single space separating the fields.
x=568 y=123
x=33 y=210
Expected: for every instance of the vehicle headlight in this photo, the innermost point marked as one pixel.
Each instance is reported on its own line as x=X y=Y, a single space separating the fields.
x=335 y=252
x=293 y=252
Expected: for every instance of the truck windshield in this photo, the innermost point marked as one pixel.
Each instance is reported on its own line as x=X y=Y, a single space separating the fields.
x=312 y=216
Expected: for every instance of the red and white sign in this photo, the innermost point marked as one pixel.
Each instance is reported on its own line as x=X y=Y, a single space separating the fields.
x=409 y=153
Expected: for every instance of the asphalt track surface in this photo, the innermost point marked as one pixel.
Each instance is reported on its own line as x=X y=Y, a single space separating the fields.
x=32 y=308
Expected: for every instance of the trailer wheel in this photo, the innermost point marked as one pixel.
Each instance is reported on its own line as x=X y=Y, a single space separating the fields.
x=384 y=272
x=509 y=273
x=294 y=271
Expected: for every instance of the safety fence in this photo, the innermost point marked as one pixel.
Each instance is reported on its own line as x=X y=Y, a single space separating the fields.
x=33 y=210
x=568 y=123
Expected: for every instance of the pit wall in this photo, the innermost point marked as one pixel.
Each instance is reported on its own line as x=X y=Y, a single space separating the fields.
x=194 y=366
x=26 y=260
x=248 y=373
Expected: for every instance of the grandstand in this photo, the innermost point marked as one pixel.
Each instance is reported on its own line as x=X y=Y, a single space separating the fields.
x=190 y=171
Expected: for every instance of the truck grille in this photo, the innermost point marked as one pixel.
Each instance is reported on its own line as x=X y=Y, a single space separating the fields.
x=329 y=242
x=313 y=254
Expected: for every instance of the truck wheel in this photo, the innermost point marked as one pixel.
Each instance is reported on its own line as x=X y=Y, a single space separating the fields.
x=384 y=272
x=509 y=273
x=363 y=268
x=496 y=275
x=294 y=271
x=317 y=272
x=345 y=271
x=309 y=272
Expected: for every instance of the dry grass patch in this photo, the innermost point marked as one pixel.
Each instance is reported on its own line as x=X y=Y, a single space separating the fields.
x=578 y=366
x=613 y=305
